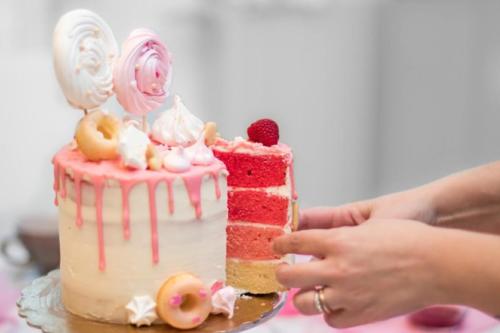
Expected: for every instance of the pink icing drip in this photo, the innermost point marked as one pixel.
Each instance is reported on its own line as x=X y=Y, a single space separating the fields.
x=196 y=319
x=78 y=198
x=98 y=187
x=215 y=176
x=56 y=182
x=101 y=171
x=292 y=181
x=171 y=206
x=64 y=192
x=193 y=186
x=153 y=218
x=125 y=186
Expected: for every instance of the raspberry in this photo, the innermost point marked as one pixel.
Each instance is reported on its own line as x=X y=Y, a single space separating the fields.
x=264 y=131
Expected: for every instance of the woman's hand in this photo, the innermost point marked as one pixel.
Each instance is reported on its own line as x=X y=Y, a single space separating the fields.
x=372 y=272
x=414 y=204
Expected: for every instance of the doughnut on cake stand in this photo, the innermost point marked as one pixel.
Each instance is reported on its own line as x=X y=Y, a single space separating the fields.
x=40 y=304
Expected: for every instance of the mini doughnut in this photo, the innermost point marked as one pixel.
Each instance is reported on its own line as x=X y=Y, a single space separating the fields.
x=97 y=136
x=183 y=301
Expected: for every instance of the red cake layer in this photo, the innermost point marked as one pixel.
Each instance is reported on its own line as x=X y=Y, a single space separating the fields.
x=247 y=170
x=249 y=242
x=257 y=206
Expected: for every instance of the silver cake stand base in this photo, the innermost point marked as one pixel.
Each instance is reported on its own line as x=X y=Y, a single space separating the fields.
x=40 y=304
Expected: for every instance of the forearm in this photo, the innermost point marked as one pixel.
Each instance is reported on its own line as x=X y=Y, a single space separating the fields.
x=466 y=197
x=468 y=269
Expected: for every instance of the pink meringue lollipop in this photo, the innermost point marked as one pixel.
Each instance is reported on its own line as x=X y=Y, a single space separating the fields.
x=142 y=73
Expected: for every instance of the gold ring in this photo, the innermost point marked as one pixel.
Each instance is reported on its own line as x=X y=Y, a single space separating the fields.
x=319 y=301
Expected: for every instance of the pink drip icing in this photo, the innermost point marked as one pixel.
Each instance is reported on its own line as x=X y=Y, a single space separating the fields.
x=215 y=176
x=101 y=171
x=98 y=188
x=292 y=181
x=171 y=206
x=193 y=186
x=153 y=219
x=125 y=186
x=64 y=192
x=78 y=198
x=56 y=182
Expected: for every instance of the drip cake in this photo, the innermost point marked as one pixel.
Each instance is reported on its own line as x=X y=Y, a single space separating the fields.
x=144 y=210
x=261 y=204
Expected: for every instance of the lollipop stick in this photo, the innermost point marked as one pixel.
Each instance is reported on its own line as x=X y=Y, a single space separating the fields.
x=144 y=124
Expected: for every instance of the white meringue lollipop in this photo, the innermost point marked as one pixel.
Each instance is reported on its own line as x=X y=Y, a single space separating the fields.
x=84 y=52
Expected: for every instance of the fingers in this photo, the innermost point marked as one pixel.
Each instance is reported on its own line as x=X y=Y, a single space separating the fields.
x=304 y=301
x=339 y=317
x=310 y=242
x=330 y=217
x=304 y=275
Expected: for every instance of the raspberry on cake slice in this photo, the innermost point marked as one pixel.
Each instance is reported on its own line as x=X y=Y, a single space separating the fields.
x=261 y=204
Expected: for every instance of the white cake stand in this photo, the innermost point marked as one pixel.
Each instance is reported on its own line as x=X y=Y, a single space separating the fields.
x=40 y=304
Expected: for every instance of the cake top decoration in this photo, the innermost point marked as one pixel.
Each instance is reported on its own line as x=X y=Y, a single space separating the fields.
x=264 y=131
x=84 y=49
x=142 y=73
x=177 y=126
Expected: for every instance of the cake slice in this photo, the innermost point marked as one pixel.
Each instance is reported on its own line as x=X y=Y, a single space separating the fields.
x=261 y=202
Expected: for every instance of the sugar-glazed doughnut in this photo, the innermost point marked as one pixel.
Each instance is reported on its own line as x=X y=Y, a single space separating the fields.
x=97 y=136
x=183 y=301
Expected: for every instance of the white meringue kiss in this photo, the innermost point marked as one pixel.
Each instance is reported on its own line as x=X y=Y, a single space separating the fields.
x=199 y=153
x=223 y=301
x=84 y=50
x=141 y=311
x=132 y=146
x=176 y=160
x=177 y=126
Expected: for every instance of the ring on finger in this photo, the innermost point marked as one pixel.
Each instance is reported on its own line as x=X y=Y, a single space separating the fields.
x=320 y=301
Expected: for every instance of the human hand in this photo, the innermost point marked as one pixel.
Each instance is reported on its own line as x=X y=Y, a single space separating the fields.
x=372 y=272
x=410 y=205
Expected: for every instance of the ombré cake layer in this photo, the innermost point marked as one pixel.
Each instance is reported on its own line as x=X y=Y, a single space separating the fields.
x=261 y=196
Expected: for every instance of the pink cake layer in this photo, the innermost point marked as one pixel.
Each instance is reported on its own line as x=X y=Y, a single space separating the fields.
x=257 y=206
x=245 y=241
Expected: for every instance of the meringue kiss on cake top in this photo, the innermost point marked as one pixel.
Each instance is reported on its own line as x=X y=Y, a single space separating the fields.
x=134 y=212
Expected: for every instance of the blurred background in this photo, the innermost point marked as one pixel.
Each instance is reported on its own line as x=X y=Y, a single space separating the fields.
x=374 y=96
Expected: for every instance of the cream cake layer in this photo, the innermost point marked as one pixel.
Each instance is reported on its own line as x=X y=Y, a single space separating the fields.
x=123 y=233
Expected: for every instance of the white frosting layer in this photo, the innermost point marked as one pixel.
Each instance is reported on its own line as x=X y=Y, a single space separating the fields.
x=132 y=145
x=93 y=294
x=177 y=126
x=177 y=160
x=84 y=50
x=223 y=301
x=198 y=153
x=141 y=311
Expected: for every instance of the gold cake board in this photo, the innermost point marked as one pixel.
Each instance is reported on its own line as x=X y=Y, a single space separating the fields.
x=40 y=304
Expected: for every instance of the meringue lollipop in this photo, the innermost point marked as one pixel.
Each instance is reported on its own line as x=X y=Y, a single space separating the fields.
x=142 y=73
x=84 y=49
